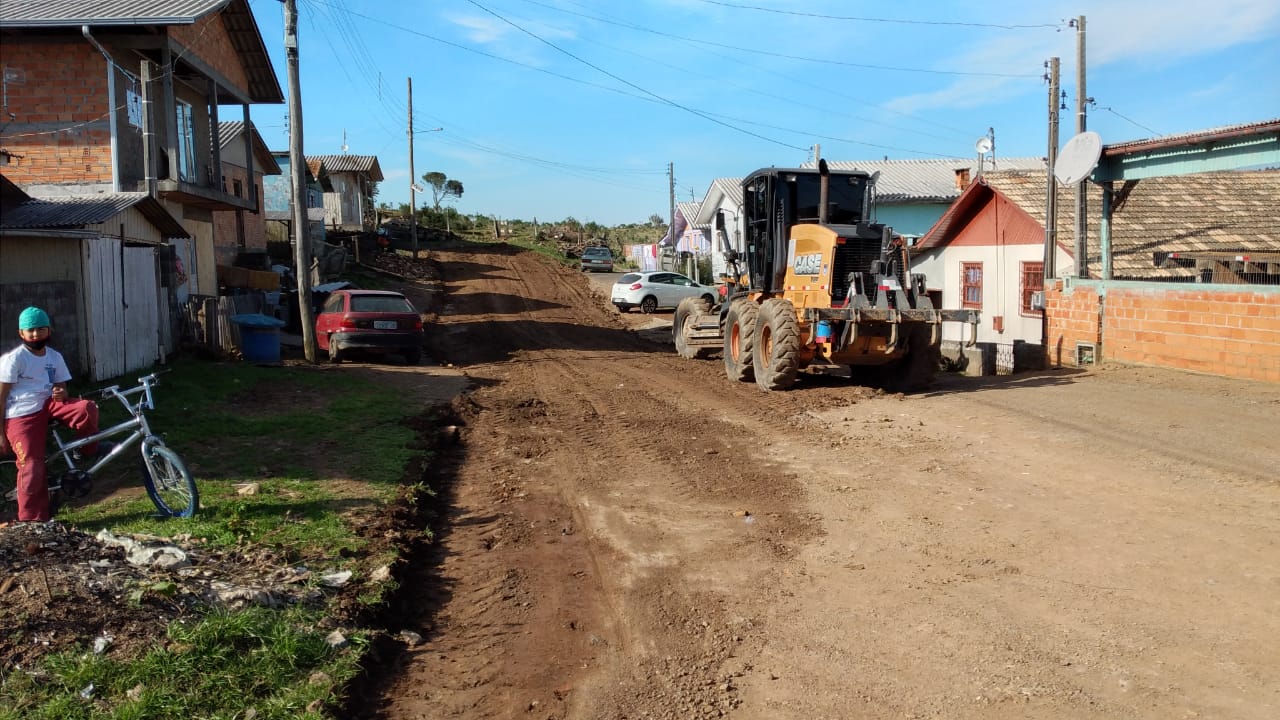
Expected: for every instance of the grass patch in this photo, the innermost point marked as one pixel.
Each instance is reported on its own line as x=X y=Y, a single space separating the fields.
x=219 y=667
x=323 y=449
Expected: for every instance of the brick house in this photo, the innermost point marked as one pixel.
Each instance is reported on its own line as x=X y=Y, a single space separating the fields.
x=240 y=230
x=1203 y=245
x=112 y=96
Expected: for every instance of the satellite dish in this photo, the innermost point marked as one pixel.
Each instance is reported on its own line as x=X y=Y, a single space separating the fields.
x=983 y=146
x=1078 y=158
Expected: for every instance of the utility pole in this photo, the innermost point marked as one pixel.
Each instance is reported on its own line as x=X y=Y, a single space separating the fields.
x=671 y=208
x=1051 y=197
x=1082 y=189
x=413 y=197
x=297 y=166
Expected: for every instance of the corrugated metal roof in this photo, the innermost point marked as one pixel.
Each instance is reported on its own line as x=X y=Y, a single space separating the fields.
x=229 y=130
x=1192 y=138
x=77 y=212
x=241 y=26
x=1205 y=212
x=731 y=187
x=367 y=164
x=925 y=180
x=73 y=13
x=690 y=212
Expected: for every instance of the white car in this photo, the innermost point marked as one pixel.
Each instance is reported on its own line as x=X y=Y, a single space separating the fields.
x=655 y=289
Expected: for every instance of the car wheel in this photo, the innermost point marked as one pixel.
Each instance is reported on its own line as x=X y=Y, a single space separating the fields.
x=623 y=308
x=648 y=305
x=709 y=300
x=335 y=355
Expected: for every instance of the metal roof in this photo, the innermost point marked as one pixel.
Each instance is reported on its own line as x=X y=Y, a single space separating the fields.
x=690 y=212
x=241 y=26
x=367 y=164
x=69 y=13
x=1192 y=138
x=77 y=212
x=926 y=180
x=1228 y=211
x=229 y=130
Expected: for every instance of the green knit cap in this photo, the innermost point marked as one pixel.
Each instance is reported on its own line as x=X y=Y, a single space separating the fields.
x=32 y=318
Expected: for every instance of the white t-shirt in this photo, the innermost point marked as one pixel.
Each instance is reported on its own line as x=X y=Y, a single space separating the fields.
x=33 y=377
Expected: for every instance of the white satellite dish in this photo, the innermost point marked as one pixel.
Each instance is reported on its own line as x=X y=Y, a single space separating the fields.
x=1078 y=158
x=983 y=146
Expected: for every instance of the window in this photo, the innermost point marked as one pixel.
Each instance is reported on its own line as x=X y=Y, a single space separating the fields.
x=971 y=285
x=1032 y=282
x=186 y=143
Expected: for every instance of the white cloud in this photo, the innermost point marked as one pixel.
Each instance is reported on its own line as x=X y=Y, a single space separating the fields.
x=484 y=30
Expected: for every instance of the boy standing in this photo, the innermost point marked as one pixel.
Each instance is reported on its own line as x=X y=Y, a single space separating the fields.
x=33 y=389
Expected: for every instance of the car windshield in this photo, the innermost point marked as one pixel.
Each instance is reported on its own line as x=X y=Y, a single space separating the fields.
x=380 y=303
x=597 y=252
x=628 y=278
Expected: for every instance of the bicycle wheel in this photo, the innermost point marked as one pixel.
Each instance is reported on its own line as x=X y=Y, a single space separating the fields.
x=168 y=482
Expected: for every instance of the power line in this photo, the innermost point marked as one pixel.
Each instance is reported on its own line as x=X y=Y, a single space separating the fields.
x=741 y=6
x=631 y=84
x=761 y=51
x=1122 y=117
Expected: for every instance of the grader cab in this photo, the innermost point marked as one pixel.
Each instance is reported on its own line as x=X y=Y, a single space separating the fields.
x=818 y=287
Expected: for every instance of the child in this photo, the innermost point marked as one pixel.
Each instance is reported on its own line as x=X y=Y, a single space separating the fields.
x=33 y=389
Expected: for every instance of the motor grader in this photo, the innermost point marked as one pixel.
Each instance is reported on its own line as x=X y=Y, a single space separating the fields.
x=819 y=288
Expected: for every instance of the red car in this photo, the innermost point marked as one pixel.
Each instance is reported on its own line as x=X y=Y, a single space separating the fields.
x=372 y=320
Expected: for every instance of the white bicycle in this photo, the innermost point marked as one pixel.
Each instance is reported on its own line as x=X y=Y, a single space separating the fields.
x=165 y=476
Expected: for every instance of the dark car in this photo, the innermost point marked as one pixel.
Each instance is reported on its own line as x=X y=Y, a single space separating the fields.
x=597 y=258
x=369 y=320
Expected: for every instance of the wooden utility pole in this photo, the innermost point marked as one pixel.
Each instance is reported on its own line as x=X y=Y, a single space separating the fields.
x=297 y=163
x=1082 y=190
x=413 y=195
x=1051 y=197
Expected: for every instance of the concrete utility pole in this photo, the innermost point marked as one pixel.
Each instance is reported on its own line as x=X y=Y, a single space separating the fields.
x=297 y=163
x=413 y=196
x=1082 y=190
x=1051 y=197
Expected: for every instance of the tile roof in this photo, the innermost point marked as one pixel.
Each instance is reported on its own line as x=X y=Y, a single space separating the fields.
x=925 y=180
x=67 y=213
x=367 y=164
x=1223 y=212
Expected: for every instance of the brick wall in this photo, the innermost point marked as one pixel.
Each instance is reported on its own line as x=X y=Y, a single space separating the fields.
x=225 y=233
x=208 y=39
x=1234 y=332
x=60 y=124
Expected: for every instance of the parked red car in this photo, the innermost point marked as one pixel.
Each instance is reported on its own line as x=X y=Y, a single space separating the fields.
x=372 y=320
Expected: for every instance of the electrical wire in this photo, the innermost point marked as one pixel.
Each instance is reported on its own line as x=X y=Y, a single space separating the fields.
x=741 y=6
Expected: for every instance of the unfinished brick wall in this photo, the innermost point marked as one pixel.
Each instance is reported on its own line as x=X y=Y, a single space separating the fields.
x=1229 y=332
x=1074 y=319
x=60 y=127
x=209 y=40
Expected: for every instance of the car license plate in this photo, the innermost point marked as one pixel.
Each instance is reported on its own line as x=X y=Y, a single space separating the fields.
x=384 y=324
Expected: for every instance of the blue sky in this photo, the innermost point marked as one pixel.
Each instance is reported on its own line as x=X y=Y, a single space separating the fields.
x=557 y=108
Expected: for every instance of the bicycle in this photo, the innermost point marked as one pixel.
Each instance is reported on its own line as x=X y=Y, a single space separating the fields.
x=164 y=474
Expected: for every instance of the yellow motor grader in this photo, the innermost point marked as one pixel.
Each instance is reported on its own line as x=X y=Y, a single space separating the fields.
x=817 y=287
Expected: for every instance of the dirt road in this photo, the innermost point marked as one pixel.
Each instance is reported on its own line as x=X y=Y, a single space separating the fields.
x=629 y=535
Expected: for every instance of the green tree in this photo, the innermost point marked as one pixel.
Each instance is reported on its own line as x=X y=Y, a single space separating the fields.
x=442 y=188
x=657 y=220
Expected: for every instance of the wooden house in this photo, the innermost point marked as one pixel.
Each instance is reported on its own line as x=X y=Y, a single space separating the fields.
x=353 y=179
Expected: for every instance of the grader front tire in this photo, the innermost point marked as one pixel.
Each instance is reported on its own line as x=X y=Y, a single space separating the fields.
x=777 y=348
x=686 y=313
x=739 y=340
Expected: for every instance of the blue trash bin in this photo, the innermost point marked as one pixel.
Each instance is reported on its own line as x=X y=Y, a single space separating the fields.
x=259 y=338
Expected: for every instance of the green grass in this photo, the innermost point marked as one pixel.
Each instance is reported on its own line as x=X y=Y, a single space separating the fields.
x=217 y=667
x=320 y=444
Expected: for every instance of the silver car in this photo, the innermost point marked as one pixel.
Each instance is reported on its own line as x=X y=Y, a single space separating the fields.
x=597 y=258
x=655 y=289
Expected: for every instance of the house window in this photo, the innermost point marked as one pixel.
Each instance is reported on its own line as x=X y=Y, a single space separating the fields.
x=971 y=285
x=186 y=142
x=1032 y=282
x=237 y=188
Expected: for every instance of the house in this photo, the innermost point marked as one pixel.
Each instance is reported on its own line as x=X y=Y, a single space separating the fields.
x=107 y=97
x=910 y=195
x=348 y=205
x=723 y=195
x=278 y=199
x=100 y=264
x=1205 y=229
x=240 y=230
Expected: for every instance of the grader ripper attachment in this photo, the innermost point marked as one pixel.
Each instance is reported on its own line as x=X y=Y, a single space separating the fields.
x=818 y=287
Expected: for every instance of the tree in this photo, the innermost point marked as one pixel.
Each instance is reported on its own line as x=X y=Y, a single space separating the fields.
x=442 y=188
x=657 y=220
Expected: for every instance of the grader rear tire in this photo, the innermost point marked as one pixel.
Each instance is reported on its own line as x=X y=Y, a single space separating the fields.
x=686 y=312
x=740 y=340
x=777 y=351
x=915 y=372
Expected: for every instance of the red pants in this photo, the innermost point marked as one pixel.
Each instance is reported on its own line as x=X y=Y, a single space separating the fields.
x=28 y=435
